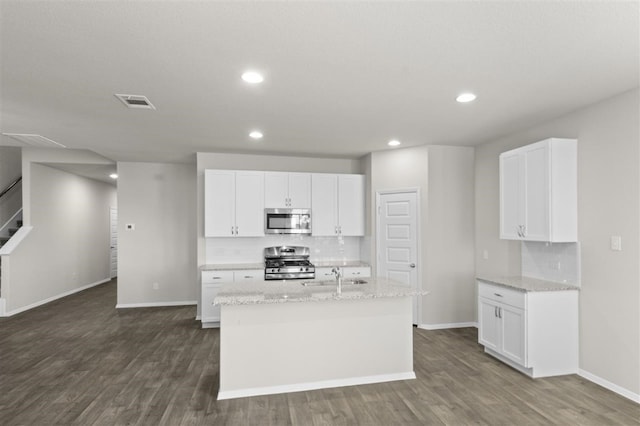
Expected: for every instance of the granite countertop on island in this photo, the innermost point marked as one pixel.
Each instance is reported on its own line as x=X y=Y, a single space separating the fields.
x=528 y=283
x=291 y=291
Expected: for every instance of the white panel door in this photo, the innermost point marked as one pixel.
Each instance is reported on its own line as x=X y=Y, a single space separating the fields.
x=351 y=205
x=397 y=234
x=513 y=343
x=324 y=204
x=537 y=190
x=276 y=192
x=114 y=242
x=488 y=328
x=300 y=190
x=249 y=204
x=511 y=196
x=219 y=203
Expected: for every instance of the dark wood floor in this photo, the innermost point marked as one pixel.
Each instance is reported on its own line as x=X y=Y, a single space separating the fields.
x=80 y=361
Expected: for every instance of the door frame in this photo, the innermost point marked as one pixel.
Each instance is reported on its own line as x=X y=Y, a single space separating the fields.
x=111 y=210
x=416 y=191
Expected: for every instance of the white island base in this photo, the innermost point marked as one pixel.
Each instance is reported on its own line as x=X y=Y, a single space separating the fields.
x=288 y=347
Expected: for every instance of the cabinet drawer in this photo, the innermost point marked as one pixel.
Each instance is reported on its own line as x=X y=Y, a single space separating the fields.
x=357 y=272
x=211 y=277
x=502 y=294
x=324 y=274
x=248 y=275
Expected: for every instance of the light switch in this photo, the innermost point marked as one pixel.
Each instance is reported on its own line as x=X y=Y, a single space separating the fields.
x=616 y=243
x=485 y=254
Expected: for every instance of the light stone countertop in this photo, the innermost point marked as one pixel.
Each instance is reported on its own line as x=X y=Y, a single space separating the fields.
x=232 y=266
x=528 y=284
x=291 y=291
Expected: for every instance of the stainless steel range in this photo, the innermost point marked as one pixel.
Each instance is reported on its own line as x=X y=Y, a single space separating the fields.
x=288 y=263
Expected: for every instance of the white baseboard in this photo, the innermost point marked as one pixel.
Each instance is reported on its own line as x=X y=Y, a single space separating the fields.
x=211 y=324
x=299 y=387
x=52 y=298
x=155 y=304
x=449 y=325
x=608 y=385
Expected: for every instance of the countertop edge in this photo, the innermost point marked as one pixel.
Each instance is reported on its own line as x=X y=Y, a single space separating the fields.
x=527 y=284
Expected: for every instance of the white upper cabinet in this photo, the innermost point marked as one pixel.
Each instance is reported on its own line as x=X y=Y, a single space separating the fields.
x=287 y=190
x=324 y=204
x=538 y=192
x=233 y=203
x=337 y=204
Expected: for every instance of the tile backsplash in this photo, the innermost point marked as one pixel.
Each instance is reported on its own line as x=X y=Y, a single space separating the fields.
x=558 y=262
x=250 y=250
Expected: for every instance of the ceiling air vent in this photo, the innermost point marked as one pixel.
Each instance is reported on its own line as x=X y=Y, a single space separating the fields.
x=34 y=140
x=136 y=101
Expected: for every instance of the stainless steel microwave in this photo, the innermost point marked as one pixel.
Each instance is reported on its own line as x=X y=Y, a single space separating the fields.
x=287 y=221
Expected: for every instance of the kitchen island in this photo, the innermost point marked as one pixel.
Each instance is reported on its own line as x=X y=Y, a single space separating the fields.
x=283 y=336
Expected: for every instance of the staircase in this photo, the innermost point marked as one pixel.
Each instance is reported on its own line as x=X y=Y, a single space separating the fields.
x=10 y=232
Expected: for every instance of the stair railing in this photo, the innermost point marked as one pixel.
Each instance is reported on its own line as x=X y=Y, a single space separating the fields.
x=11 y=185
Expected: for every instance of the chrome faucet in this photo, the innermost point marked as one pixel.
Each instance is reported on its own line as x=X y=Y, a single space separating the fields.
x=338 y=274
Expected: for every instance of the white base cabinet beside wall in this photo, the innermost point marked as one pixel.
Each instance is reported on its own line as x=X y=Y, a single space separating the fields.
x=211 y=283
x=535 y=332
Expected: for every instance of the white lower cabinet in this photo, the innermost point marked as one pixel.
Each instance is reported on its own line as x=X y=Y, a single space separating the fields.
x=212 y=281
x=534 y=332
x=349 y=272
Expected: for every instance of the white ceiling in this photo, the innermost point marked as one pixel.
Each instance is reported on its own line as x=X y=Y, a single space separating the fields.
x=342 y=78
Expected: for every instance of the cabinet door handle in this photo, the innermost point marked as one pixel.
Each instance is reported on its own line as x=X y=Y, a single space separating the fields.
x=412 y=265
x=495 y=311
x=497 y=294
x=236 y=230
x=499 y=312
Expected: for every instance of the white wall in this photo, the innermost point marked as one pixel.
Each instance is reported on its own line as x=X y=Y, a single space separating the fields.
x=450 y=239
x=68 y=247
x=444 y=176
x=608 y=136
x=160 y=199
x=10 y=170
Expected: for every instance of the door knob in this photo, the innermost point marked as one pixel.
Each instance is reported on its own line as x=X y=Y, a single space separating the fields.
x=412 y=265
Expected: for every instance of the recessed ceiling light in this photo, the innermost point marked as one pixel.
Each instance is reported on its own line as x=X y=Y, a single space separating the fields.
x=252 y=77
x=113 y=176
x=466 y=97
x=393 y=142
x=256 y=134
